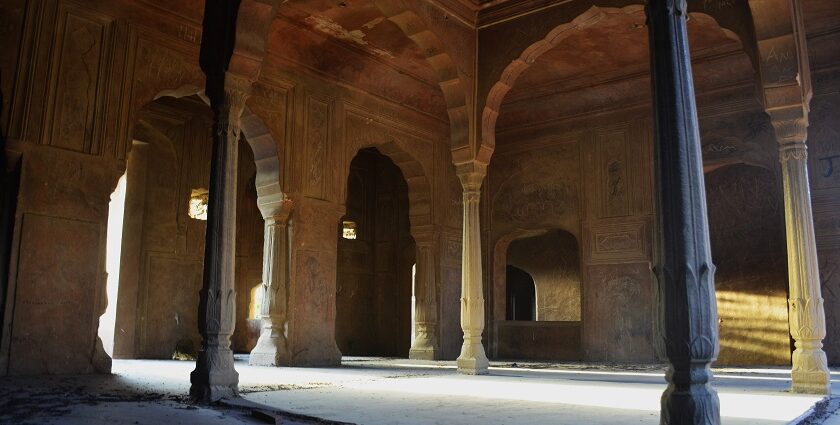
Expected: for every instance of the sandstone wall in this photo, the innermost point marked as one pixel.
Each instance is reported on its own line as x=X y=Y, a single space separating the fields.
x=86 y=74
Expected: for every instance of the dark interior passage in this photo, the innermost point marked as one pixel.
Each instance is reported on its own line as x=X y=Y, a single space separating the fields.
x=521 y=295
x=375 y=258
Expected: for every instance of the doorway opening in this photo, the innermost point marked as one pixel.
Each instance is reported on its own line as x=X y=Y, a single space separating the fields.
x=521 y=295
x=113 y=250
x=543 y=298
x=376 y=257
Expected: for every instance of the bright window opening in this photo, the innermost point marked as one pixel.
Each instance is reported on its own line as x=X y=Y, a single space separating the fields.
x=198 y=204
x=348 y=230
x=255 y=307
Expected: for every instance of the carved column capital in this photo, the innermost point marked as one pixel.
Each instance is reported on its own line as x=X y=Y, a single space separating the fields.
x=790 y=123
x=424 y=239
x=277 y=212
x=237 y=89
x=793 y=152
x=471 y=175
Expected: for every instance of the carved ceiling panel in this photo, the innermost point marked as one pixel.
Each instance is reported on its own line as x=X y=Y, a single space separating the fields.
x=360 y=25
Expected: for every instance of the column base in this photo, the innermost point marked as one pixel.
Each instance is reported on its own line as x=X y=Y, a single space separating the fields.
x=269 y=356
x=810 y=382
x=698 y=404
x=810 y=373
x=425 y=345
x=271 y=350
x=424 y=354
x=214 y=377
x=472 y=360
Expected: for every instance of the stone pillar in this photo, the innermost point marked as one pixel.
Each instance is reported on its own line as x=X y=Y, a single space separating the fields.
x=809 y=373
x=685 y=273
x=473 y=360
x=272 y=348
x=425 y=345
x=214 y=376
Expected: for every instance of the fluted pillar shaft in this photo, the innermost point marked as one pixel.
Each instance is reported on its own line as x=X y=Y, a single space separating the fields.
x=809 y=373
x=685 y=273
x=425 y=345
x=473 y=360
x=272 y=348
x=214 y=376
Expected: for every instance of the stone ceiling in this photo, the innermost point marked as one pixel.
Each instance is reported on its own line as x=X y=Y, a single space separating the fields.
x=606 y=65
x=612 y=51
x=360 y=25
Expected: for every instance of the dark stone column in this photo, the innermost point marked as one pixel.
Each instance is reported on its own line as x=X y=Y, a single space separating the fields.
x=685 y=273
x=214 y=376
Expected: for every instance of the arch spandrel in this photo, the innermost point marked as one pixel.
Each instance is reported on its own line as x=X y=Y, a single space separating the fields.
x=507 y=49
x=412 y=157
x=450 y=60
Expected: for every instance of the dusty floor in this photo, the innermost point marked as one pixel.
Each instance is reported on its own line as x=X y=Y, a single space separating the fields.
x=382 y=391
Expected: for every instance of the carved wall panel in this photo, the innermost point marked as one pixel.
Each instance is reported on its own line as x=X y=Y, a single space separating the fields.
x=60 y=270
x=11 y=25
x=625 y=241
x=618 y=313
x=317 y=144
x=535 y=189
x=79 y=76
x=613 y=181
x=313 y=308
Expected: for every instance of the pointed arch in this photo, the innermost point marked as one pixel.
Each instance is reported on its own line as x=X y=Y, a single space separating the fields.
x=590 y=18
x=419 y=187
x=449 y=80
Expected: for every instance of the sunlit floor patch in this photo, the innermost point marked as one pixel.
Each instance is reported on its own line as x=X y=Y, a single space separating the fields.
x=408 y=392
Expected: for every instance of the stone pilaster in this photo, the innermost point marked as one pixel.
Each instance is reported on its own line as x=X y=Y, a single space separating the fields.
x=685 y=273
x=473 y=360
x=272 y=348
x=214 y=376
x=425 y=345
x=809 y=373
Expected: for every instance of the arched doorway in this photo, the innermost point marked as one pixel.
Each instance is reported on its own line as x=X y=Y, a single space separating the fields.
x=543 y=288
x=155 y=279
x=375 y=261
x=521 y=295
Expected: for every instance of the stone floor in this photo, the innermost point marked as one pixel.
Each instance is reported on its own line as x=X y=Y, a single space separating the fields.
x=388 y=391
